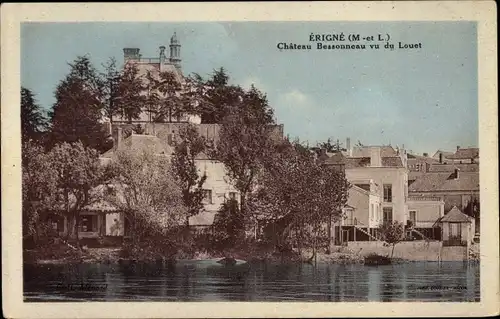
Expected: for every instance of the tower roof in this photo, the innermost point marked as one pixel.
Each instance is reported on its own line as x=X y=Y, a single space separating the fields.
x=173 y=39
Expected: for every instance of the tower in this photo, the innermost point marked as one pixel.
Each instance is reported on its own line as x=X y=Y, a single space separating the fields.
x=175 y=51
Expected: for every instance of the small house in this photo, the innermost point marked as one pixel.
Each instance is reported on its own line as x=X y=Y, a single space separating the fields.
x=457 y=228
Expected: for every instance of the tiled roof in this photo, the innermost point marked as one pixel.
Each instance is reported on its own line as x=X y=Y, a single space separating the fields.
x=335 y=159
x=417 y=158
x=467 y=181
x=445 y=153
x=141 y=142
x=451 y=167
x=465 y=153
x=365 y=151
x=392 y=162
x=456 y=216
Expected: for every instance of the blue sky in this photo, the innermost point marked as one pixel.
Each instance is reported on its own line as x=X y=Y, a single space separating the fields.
x=425 y=98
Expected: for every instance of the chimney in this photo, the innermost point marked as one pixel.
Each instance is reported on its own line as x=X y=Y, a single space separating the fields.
x=426 y=154
x=119 y=137
x=375 y=159
x=162 y=53
x=457 y=173
x=458 y=147
x=440 y=158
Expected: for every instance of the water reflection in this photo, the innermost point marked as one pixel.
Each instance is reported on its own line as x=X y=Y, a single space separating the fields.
x=207 y=281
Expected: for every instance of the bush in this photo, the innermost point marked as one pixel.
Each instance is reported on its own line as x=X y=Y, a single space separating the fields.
x=374 y=259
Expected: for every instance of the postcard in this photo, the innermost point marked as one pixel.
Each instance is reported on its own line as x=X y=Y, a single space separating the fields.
x=249 y=159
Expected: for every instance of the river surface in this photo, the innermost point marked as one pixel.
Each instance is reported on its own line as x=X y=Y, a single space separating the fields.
x=208 y=281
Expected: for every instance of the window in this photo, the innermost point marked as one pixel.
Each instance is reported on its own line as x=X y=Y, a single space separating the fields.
x=88 y=223
x=387 y=214
x=388 y=193
x=207 y=196
x=413 y=217
x=232 y=195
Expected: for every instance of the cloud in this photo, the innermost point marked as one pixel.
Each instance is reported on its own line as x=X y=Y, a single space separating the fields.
x=296 y=98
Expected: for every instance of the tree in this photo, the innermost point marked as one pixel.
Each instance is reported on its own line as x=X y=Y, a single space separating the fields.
x=164 y=96
x=393 y=233
x=229 y=225
x=186 y=172
x=78 y=110
x=329 y=147
x=78 y=173
x=130 y=96
x=39 y=186
x=33 y=121
x=245 y=139
x=213 y=98
x=144 y=189
x=297 y=196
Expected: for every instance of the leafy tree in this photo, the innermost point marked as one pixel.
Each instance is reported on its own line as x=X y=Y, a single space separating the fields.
x=212 y=98
x=245 y=139
x=229 y=225
x=164 y=96
x=298 y=196
x=78 y=173
x=331 y=147
x=144 y=189
x=77 y=112
x=130 y=93
x=33 y=121
x=39 y=185
x=393 y=233
x=186 y=172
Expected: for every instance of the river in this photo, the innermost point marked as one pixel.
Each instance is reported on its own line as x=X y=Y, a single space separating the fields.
x=208 y=281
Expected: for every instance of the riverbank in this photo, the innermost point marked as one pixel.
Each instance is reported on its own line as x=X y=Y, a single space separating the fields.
x=63 y=254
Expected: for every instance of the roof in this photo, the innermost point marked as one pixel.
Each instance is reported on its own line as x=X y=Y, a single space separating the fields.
x=418 y=158
x=465 y=153
x=445 y=153
x=365 y=151
x=468 y=167
x=140 y=143
x=445 y=181
x=456 y=216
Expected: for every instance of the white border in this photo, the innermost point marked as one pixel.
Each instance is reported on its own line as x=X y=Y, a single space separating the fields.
x=13 y=14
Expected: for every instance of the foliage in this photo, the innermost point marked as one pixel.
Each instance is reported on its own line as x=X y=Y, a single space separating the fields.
x=331 y=147
x=393 y=233
x=33 y=121
x=298 y=195
x=229 y=225
x=245 y=140
x=144 y=189
x=78 y=173
x=77 y=112
x=39 y=182
x=164 y=96
x=185 y=170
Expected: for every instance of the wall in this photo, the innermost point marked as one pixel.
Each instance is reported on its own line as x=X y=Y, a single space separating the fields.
x=386 y=175
x=218 y=183
x=415 y=250
x=360 y=201
x=451 y=198
x=428 y=212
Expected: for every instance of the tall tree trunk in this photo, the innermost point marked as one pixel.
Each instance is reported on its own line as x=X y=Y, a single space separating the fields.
x=329 y=234
x=392 y=253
